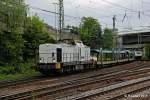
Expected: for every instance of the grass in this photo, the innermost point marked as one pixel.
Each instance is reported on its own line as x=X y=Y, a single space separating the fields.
x=16 y=76
x=20 y=71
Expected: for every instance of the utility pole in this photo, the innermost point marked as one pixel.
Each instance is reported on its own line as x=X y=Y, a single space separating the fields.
x=61 y=18
x=114 y=32
x=114 y=23
x=115 y=37
x=55 y=4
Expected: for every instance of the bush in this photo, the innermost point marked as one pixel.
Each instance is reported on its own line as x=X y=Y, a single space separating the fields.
x=7 y=70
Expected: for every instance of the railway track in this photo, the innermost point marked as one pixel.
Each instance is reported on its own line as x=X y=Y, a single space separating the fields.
x=60 y=87
x=143 y=94
x=81 y=87
x=7 y=83
x=113 y=92
x=37 y=79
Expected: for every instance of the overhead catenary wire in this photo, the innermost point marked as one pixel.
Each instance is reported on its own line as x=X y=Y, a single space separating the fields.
x=120 y=6
x=106 y=1
x=77 y=18
x=37 y=8
x=138 y=12
x=129 y=11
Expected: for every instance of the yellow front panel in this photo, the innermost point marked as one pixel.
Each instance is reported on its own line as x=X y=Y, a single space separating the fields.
x=58 y=66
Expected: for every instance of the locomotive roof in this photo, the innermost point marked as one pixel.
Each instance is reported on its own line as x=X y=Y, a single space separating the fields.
x=79 y=44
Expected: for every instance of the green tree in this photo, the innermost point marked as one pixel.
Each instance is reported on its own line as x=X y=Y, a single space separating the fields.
x=107 y=38
x=12 y=19
x=90 y=31
x=35 y=34
x=75 y=30
x=12 y=15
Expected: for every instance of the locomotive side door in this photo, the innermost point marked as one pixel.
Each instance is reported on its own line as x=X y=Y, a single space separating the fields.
x=59 y=54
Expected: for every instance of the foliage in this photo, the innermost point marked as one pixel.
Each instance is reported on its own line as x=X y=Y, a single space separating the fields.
x=90 y=30
x=75 y=30
x=147 y=51
x=107 y=38
x=34 y=35
x=12 y=18
x=11 y=47
x=20 y=37
x=22 y=70
x=12 y=15
x=25 y=74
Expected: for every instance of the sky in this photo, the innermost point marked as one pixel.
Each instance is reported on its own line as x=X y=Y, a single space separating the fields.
x=130 y=14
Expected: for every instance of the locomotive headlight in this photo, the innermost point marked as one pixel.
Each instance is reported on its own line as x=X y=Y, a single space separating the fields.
x=53 y=60
x=40 y=60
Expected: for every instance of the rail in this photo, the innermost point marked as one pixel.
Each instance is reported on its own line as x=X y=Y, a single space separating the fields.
x=105 y=89
x=66 y=85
